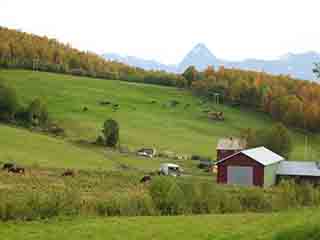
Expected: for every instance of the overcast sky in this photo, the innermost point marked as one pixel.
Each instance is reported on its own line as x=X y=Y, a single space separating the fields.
x=166 y=30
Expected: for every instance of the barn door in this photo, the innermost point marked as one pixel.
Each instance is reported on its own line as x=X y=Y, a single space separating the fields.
x=240 y=175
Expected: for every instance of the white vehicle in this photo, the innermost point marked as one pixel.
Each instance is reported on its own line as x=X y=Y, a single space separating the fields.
x=170 y=169
x=147 y=152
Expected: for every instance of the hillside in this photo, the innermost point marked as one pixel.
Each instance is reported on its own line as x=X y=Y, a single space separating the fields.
x=143 y=123
x=239 y=226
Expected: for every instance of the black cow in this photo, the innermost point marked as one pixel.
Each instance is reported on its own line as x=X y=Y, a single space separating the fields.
x=7 y=166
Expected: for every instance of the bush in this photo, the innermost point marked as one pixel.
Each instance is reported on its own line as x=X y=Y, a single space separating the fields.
x=254 y=200
x=8 y=102
x=111 y=132
x=195 y=157
x=135 y=203
x=100 y=140
x=168 y=197
x=38 y=113
x=310 y=231
x=35 y=205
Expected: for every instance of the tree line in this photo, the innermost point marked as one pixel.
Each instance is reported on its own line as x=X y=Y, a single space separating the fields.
x=28 y=51
x=292 y=102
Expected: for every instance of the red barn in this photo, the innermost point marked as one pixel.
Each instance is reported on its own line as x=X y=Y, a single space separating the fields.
x=252 y=167
x=229 y=146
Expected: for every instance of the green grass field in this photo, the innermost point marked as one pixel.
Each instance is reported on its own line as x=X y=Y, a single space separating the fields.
x=213 y=227
x=184 y=131
x=39 y=150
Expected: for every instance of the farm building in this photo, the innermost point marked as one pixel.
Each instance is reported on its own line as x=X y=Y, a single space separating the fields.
x=229 y=146
x=252 y=167
x=300 y=172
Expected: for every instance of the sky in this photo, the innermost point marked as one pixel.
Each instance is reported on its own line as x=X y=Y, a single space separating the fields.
x=165 y=30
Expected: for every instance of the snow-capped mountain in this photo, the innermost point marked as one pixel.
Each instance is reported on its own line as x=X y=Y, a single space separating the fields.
x=139 y=62
x=200 y=56
x=297 y=65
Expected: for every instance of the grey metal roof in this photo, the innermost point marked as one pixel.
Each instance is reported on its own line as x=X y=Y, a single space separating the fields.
x=231 y=144
x=263 y=155
x=302 y=168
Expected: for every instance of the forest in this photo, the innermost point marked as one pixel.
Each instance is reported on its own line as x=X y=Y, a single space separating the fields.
x=28 y=51
x=285 y=99
x=293 y=102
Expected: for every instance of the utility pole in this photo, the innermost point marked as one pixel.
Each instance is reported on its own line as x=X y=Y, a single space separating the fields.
x=305 y=135
x=35 y=62
x=217 y=98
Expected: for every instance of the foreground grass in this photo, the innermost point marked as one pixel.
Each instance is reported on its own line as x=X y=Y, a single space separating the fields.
x=239 y=226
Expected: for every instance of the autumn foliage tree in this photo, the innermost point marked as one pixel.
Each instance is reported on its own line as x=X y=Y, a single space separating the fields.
x=277 y=139
x=23 y=50
x=290 y=101
x=191 y=75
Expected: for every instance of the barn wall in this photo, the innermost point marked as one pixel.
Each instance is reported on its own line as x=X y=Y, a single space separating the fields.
x=270 y=174
x=221 y=154
x=241 y=160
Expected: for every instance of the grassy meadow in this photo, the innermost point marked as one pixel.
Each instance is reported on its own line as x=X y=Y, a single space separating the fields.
x=213 y=227
x=146 y=120
x=181 y=129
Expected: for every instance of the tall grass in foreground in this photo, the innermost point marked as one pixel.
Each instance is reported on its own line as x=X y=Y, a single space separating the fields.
x=164 y=196
x=310 y=231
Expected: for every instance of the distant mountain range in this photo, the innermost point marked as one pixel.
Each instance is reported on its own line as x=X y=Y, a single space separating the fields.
x=297 y=65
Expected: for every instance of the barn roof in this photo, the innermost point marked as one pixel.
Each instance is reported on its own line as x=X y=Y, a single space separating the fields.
x=260 y=154
x=263 y=155
x=231 y=144
x=302 y=168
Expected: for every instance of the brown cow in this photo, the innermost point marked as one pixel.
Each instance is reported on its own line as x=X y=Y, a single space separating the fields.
x=19 y=170
x=68 y=173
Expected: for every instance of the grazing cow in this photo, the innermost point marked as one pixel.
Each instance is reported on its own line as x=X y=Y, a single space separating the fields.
x=104 y=103
x=19 y=170
x=7 y=166
x=145 y=179
x=68 y=173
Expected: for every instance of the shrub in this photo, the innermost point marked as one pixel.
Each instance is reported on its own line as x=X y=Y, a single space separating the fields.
x=168 y=197
x=100 y=140
x=8 y=102
x=310 y=231
x=35 y=205
x=254 y=200
x=38 y=113
x=135 y=203
x=111 y=132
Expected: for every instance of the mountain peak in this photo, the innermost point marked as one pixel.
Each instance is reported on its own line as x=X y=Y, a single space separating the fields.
x=200 y=48
x=200 y=57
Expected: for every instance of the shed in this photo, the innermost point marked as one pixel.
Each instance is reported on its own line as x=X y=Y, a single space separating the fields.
x=229 y=146
x=300 y=171
x=251 y=167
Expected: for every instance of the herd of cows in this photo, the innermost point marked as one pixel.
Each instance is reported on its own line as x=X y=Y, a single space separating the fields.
x=13 y=168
